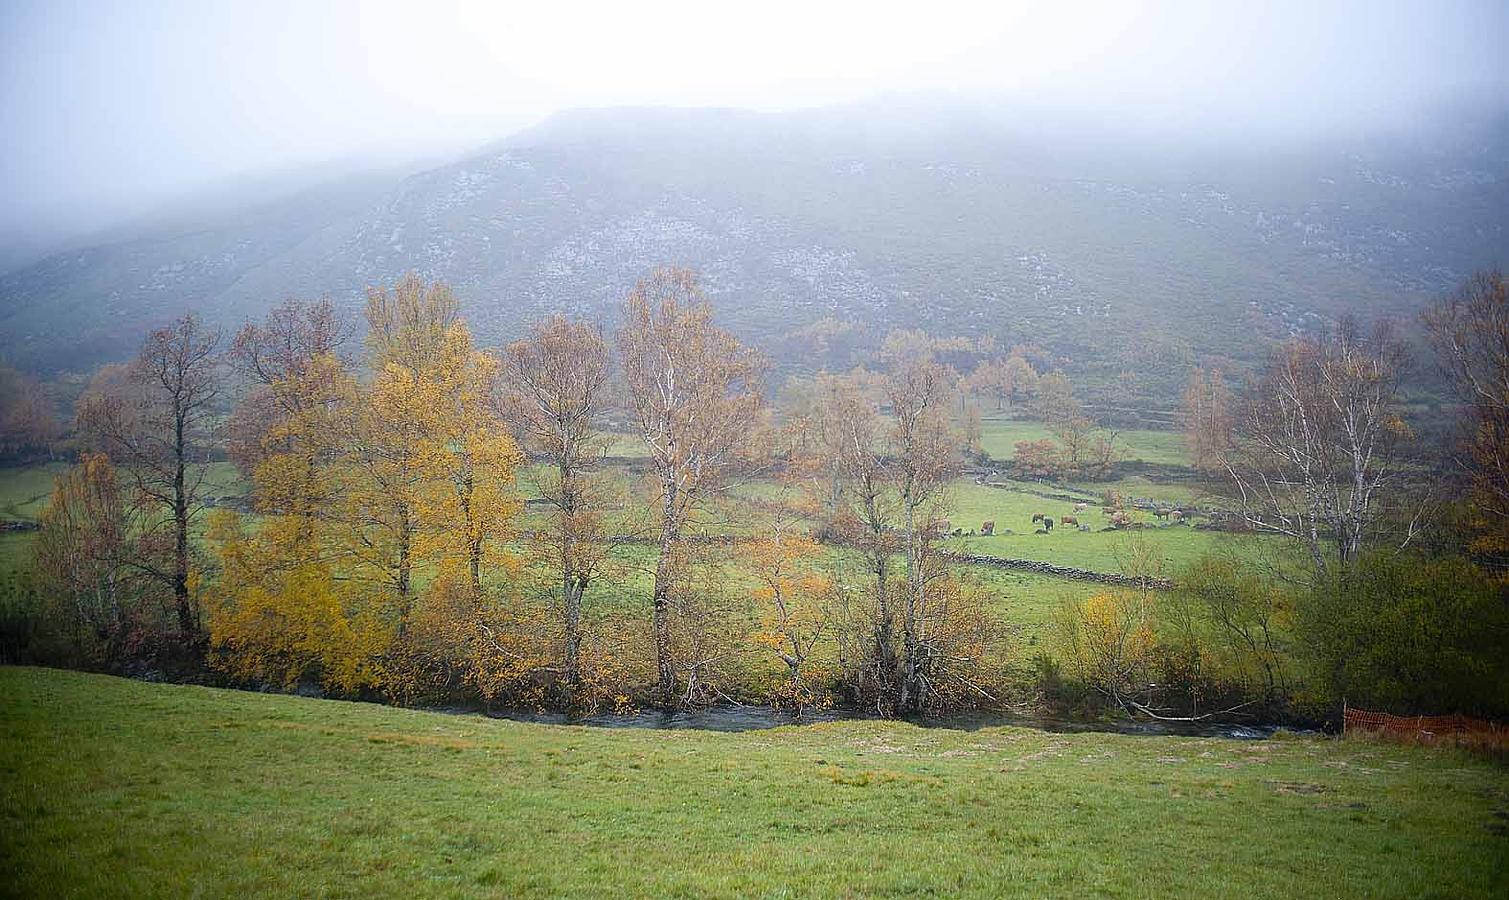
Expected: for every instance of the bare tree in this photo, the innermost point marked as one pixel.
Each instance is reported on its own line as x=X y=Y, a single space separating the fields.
x=855 y=485
x=555 y=385
x=1312 y=455
x=695 y=393
x=293 y=373
x=1206 y=415
x=925 y=457
x=155 y=418
x=1470 y=331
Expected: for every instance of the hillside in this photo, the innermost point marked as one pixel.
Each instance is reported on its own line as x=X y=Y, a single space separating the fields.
x=879 y=217
x=119 y=788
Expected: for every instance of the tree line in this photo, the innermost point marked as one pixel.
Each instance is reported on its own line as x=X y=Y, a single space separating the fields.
x=789 y=551
x=386 y=549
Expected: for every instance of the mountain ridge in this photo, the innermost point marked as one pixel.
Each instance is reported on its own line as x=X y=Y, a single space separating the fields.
x=1114 y=261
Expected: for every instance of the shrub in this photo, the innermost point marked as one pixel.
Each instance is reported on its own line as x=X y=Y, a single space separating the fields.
x=1408 y=634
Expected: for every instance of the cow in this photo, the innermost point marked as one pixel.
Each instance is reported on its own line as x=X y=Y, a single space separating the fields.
x=988 y=528
x=1037 y=517
x=1047 y=523
x=1081 y=507
x=1161 y=512
x=1176 y=515
x=1068 y=520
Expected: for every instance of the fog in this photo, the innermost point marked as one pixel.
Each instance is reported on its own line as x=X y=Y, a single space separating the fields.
x=113 y=109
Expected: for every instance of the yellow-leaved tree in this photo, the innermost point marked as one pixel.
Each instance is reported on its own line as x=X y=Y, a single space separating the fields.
x=792 y=600
x=282 y=610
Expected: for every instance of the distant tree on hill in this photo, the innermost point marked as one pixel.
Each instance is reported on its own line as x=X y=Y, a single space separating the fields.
x=27 y=422
x=1053 y=399
x=1010 y=381
x=1207 y=419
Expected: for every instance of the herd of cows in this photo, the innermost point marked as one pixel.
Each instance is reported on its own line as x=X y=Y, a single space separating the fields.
x=1119 y=518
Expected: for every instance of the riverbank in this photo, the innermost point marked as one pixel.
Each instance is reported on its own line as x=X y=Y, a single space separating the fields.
x=121 y=788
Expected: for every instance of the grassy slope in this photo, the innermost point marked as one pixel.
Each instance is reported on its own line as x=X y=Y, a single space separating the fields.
x=999 y=437
x=117 y=788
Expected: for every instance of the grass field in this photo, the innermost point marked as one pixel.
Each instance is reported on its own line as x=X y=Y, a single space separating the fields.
x=1107 y=551
x=116 y=788
x=998 y=437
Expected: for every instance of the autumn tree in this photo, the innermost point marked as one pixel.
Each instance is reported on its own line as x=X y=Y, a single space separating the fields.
x=791 y=599
x=283 y=609
x=85 y=561
x=27 y=422
x=281 y=612
x=695 y=392
x=555 y=390
x=1038 y=459
x=473 y=459
x=1207 y=419
x=291 y=369
x=1107 y=642
x=1010 y=380
x=1053 y=399
x=925 y=458
x=155 y=418
x=1470 y=332
x=854 y=485
x=1312 y=454
x=429 y=464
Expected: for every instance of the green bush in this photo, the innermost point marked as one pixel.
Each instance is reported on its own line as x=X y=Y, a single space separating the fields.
x=1408 y=634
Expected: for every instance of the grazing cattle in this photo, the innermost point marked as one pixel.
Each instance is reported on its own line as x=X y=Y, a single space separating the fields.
x=988 y=528
x=1176 y=515
x=1160 y=513
x=1047 y=523
x=957 y=532
x=1068 y=520
x=1081 y=507
x=1037 y=517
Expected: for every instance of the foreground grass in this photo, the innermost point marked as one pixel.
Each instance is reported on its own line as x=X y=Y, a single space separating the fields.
x=117 y=788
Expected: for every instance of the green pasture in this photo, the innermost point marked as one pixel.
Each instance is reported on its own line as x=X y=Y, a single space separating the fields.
x=116 y=788
x=999 y=437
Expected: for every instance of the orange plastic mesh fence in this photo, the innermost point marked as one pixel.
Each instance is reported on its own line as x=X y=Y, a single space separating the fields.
x=1420 y=726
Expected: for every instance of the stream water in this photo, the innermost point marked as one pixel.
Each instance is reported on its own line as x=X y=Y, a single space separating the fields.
x=753 y=718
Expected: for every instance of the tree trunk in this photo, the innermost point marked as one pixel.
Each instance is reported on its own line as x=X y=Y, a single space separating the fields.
x=186 y=624
x=572 y=589
x=467 y=490
x=405 y=566
x=573 y=582
x=669 y=535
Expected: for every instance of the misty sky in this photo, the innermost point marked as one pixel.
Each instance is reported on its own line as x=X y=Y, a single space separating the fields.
x=109 y=108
